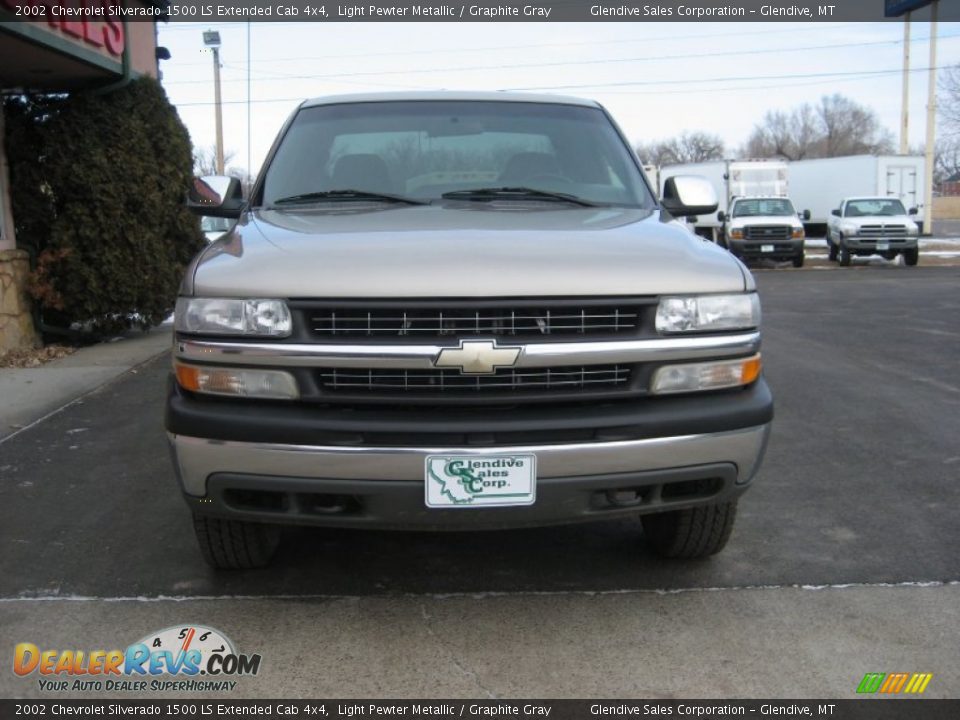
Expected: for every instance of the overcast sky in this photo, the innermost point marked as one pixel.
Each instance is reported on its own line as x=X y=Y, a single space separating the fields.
x=657 y=79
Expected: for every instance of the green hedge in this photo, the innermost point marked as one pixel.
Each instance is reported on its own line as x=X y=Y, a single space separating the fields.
x=98 y=184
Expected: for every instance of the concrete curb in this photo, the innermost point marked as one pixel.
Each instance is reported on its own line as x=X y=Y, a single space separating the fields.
x=30 y=395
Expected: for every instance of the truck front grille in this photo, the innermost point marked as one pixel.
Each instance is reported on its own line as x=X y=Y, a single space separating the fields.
x=480 y=320
x=767 y=232
x=882 y=231
x=507 y=380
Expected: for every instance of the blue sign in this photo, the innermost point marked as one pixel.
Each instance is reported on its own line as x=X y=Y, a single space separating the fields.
x=900 y=7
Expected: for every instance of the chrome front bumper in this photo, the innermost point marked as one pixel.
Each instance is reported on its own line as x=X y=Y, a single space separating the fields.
x=197 y=459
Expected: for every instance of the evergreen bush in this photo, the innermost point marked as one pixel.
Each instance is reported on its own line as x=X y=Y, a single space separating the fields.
x=98 y=183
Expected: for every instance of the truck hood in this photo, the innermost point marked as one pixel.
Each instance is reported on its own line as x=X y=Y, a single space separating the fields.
x=755 y=220
x=463 y=250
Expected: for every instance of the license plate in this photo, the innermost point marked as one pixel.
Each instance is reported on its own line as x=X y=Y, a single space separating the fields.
x=466 y=481
x=766 y=248
x=883 y=245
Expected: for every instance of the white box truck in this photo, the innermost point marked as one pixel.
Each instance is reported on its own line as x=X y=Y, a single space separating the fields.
x=819 y=185
x=730 y=179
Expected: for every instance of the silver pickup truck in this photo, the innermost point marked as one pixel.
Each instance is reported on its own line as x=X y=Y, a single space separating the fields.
x=462 y=311
x=872 y=225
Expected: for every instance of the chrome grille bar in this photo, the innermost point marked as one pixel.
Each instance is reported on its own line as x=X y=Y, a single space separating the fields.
x=438 y=380
x=391 y=321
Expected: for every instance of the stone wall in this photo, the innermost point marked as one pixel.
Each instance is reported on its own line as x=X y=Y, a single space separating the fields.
x=16 y=322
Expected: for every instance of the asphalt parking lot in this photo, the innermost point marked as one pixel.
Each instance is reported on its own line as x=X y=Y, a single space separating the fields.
x=844 y=559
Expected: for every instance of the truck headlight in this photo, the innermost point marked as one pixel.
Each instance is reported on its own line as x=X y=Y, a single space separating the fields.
x=736 y=234
x=695 y=377
x=237 y=382
x=233 y=316
x=849 y=229
x=912 y=229
x=798 y=234
x=706 y=313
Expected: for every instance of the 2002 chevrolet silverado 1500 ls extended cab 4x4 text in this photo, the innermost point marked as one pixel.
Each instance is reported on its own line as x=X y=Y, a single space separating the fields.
x=462 y=311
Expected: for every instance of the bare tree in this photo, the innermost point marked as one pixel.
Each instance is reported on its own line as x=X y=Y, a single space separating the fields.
x=836 y=126
x=851 y=129
x=949 y=104
x=792 y=136
x=205 y=160
x=946 y=159
x=686 y=148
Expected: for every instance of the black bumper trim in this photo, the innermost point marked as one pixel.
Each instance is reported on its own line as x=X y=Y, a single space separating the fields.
x=399 y=505
x=294 y=424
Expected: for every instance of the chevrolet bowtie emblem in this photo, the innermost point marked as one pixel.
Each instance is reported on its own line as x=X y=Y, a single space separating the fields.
x=477 y=357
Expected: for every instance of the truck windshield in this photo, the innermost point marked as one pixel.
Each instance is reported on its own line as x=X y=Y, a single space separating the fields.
x=878 y=206
x=424 y=149
x=764 y=206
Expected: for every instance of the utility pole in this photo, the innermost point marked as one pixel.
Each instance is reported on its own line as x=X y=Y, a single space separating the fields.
x=249 y=129
x=931 y=122
x=905 y=102
x=211 y=39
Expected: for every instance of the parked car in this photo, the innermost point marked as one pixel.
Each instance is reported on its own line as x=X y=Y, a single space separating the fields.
x=763 y=227
x=872 y=225
x=465 y=311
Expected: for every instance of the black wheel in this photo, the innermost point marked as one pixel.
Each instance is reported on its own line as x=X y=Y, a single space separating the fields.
x=845 y=256
x=798 y=260
x=911 y=257
x=695 y=533
x=831 y=249
x=234 y=544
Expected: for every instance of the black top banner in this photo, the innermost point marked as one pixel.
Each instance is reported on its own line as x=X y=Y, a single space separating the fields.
x=485 y=10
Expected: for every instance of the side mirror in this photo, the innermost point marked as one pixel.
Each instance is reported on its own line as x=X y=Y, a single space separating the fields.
x=806 y=214
x=215 y=196
x=835 y=212
x=722 y=216
x=688 y=195
x=913 y=211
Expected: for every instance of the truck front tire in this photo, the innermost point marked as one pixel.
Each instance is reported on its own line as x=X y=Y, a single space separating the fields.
x=688 y=534
x=845 y=256
x=911 y=257
x=234 y=544
x=798 y=260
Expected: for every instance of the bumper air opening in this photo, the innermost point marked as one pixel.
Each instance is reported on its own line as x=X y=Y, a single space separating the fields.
x=261 y=500
x=702 y=487
x=327 y=504
x=681 y=490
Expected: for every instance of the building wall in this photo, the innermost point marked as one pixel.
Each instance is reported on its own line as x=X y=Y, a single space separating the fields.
x=69 y=55
x=142 y=41
x=16 y=319
x=946 y=208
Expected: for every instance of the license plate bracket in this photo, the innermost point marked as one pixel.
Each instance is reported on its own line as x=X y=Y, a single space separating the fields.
x=480 y=480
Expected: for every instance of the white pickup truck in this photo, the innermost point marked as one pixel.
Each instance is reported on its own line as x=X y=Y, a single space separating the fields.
x=872 y=225
x=763 y=227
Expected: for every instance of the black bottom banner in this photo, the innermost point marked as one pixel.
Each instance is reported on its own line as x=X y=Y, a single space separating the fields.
x=866 y=709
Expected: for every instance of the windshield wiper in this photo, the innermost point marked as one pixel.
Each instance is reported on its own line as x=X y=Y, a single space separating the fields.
x=347 y=195
x=515 y=193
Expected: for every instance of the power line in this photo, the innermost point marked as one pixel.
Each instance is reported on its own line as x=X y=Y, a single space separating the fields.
x=512 y=66
x=629 y=83
x=434 y=51
x=858 y=74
